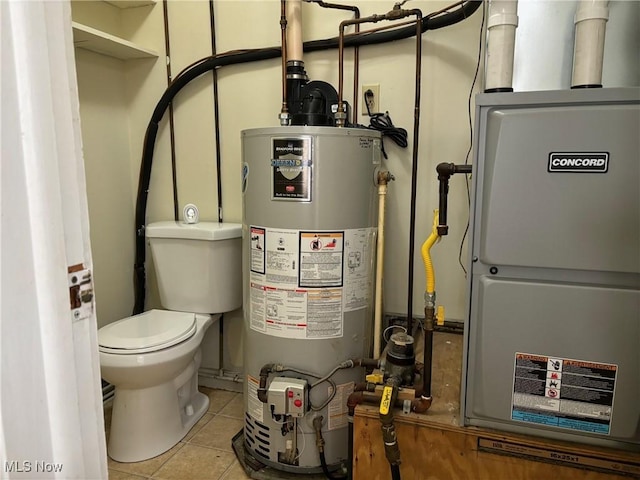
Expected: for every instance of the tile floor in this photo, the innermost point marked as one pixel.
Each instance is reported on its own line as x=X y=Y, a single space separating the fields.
x=204 y=454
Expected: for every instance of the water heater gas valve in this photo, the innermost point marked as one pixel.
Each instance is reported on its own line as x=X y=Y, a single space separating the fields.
x=287 y=396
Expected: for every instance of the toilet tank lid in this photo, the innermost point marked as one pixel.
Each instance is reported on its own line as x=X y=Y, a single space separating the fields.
x=194 y=231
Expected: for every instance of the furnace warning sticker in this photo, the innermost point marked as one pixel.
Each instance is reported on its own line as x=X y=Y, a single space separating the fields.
x=321 y=258
x=564 y=393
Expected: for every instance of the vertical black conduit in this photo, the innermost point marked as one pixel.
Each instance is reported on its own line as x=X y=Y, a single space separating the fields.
x=172 y=136
x=216 y=115
x=414 y=170
x=216 y=123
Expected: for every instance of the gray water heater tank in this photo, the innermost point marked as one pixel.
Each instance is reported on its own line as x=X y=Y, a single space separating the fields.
x=309 y=230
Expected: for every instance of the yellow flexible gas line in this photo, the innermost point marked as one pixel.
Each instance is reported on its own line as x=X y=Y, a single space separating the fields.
x=426 y=254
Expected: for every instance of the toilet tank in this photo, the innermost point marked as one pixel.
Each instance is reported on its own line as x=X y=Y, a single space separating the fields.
x=198 y=266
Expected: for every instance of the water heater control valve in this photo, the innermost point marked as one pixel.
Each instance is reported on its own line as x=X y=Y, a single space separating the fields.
x=287 y=396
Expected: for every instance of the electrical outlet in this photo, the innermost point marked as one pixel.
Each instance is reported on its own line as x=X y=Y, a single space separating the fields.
x=372 y=100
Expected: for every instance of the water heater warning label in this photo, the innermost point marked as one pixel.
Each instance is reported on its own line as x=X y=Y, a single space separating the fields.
x=564 y=393
x=321 y=259
x=303 y=282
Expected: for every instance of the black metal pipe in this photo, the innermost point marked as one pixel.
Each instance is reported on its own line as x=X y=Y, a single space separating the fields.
x=366 y=362
x=445 y=170
x=443 y=194
x=429 y=313
x=350 y=448
x=216 y=132
x=395 y=472
x=414 y=172
x=264 y=376
x=216 y=113
x=172 y=134
x=389 y=436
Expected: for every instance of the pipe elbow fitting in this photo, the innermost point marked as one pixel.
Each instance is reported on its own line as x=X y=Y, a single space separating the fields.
x=421 y=405
x=264 y=375
x=445 y=169
x=355 y=399
x=262 y=395
x=267 y=369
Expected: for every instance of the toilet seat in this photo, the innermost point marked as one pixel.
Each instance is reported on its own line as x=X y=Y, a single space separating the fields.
x=147 y=332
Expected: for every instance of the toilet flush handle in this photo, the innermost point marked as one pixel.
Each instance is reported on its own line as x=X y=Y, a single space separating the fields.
x=190 y=213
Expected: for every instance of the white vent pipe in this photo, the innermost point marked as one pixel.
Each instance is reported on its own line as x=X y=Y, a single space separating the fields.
x=591 y=23
x=294 y=30
x=501 y=39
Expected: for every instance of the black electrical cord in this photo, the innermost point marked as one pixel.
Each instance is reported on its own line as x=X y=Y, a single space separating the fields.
x=382 y=122
x=466 y=160
x=210 y=63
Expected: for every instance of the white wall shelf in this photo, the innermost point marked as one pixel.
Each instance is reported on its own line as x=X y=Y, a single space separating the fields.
x=101 y=42
x=130 y=3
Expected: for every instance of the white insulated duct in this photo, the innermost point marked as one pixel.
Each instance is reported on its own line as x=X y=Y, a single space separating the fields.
x=501 y=39
x=588 y=53
x=294 y=30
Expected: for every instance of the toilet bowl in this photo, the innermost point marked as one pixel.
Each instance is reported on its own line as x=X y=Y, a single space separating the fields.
x=152 y=359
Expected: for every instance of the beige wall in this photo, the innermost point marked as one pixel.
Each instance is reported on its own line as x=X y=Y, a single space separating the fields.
x=115 y=96
x=250 y=98
x=105 y=136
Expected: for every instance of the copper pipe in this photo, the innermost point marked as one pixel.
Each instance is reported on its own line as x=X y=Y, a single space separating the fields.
x=395 y=14
x=420 y=405
x=341 y=115
x=381 y=28
x=356 y=49
x=356 y=75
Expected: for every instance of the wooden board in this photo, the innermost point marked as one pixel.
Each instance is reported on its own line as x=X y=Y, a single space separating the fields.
x=435 y=447
x=429 y=453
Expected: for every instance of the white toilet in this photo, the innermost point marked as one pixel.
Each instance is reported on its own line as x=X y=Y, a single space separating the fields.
x=152 y=359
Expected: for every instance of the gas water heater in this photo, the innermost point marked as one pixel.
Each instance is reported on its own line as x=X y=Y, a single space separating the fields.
x=309 y=229
x=553 y=333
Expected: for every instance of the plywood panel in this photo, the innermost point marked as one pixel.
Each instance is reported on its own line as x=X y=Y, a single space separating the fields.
x=440 y=453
